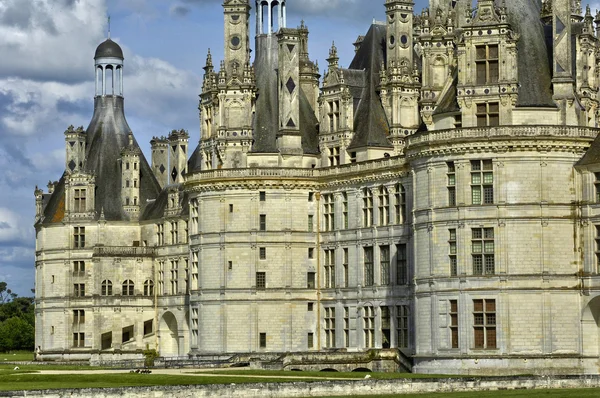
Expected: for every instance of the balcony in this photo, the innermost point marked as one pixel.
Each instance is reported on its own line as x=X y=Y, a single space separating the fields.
x=124 y=251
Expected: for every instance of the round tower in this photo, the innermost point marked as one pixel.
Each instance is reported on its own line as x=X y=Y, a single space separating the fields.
x=109 y=69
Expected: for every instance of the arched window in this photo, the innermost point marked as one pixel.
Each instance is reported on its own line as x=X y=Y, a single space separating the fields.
x=149 y=288
x=128 y=288
x=400 y=204
x=106 y=288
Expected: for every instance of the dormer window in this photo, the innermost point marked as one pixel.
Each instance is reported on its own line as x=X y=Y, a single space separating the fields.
x=334 y=156
x=80 y=200
x=486 y=60
x=334 y=115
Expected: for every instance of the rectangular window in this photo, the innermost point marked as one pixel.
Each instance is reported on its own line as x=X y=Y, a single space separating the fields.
x=174 y=228
x=79 y=237
x=386 y=324
x=402 y=318
x=174 y=277
x=310 y=340
x=454 y=323
x=230 y=208
x=346 y=327
x=160 y=234
x=597 y=248
x=229 y=265
x=334 y=156
x=345 y=265
x=486 y=63
x=400 y=205
x=329 y=268
x=488 y=114
x=194 y=211
x=482 y=182
x=148 y=327
x=368 y=266
x=78 y=340
x=334 y=116
x=384 y=261
x=262 y=253
x=330 y=327
x=345 y=209
x=79 y=289
x=261 y=280
x=262 y=340
x=127 y=334
x=263 y=222
x=262 y=195
x=186 y=232
x=161 y=277
x=80 y=200
x=369 y=326
x=310 y=307
x=367 y=207
x=482 y=251
x=401 y=264
x=78 y=317
x=310 y=280
x=384 y=206
x=329 y=212
x=194 y=270
x=78 y=268
x=451 y=175
x=452 y=252
x=311 y=196
x=106 y=340
x=311 y=253
x=484 y=323
x=310 y=223
x=597 y=186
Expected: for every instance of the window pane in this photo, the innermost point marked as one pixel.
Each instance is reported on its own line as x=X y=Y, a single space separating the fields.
x=488 y=178
x=476 y=233
x=480 y=52
x=494 y=72
x=476 y=178
x=493 y=52
x=479 y=340
x=489 y=247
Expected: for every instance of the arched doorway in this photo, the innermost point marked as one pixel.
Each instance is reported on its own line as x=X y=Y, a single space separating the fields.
x=590 y=328
x=168 y=335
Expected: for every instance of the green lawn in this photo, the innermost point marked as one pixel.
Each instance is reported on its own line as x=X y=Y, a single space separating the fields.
x=19 y=382
x=16 y=356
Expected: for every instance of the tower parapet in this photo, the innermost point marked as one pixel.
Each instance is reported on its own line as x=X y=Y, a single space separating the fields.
x=160 y=159
x=75 y=148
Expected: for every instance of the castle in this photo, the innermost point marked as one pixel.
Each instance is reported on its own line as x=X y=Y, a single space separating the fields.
x=439 y=199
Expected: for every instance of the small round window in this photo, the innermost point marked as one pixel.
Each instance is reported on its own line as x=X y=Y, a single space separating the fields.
x=235 y=41
x=392 y=40
x=235 y=18
x=404 y=40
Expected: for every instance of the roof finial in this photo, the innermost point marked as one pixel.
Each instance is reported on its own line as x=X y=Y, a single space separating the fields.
x=109 y=27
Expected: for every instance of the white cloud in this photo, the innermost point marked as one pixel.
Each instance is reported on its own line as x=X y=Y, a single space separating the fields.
x=12 y=227
x=49 y=39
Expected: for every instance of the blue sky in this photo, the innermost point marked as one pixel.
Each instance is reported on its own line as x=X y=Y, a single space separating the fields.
x=46 y=83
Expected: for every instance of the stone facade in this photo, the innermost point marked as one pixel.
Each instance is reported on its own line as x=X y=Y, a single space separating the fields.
x=439 y=198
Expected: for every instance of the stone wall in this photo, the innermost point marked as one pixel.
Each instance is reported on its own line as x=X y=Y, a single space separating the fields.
x=325 y=388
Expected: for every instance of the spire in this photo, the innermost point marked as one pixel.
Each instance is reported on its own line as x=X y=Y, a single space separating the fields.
x=109 y=27
x=333 y=56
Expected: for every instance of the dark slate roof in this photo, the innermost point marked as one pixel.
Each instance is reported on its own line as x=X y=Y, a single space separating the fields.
x=195 y=160
x=107 y=135
x=534 y=55
x=109 y=49
x=156 y=209
x=449 y=102
x=308 y=126
x=592 y=156
x=54 y=204
x=370 y=122
x=266 y=121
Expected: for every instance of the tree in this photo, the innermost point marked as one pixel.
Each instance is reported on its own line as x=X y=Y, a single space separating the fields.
x=16 y=334
x=17 y=321
x=6 y=294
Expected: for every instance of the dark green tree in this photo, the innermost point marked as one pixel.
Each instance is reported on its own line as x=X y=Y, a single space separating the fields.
x=16 y=321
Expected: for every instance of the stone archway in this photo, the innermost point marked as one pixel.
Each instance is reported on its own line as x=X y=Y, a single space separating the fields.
x=590 y=328
x=168 y=335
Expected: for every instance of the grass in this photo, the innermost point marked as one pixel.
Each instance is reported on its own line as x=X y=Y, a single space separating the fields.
x=16 y=356
x=57 y=366
x=20 y=382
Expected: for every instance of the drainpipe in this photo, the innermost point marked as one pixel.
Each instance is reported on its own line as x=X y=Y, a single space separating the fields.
x=318 y=196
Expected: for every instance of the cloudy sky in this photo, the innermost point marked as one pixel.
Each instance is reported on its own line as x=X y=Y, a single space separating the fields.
x=46 y=83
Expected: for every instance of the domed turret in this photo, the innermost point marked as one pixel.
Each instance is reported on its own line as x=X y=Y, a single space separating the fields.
x=109 y=49
x=109 y=69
